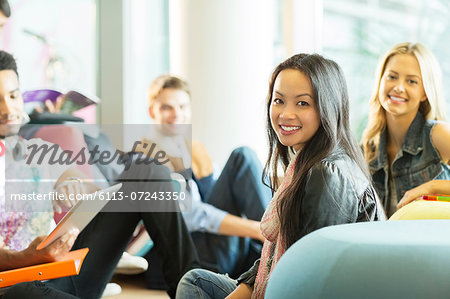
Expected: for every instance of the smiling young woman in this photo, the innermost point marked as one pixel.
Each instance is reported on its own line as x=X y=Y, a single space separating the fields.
x=325 y=181
x=405 y=143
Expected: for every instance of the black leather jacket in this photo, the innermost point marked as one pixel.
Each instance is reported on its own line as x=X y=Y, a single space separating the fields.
x=337 y=192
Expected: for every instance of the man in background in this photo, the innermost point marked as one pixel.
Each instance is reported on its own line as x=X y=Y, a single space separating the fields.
x=225 y=214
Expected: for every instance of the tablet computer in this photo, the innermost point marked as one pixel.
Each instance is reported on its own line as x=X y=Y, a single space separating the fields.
x=80 y=214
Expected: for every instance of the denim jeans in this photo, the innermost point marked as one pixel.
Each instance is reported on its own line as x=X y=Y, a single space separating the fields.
x=202 y=284
x=239 y=191
x=36 y=290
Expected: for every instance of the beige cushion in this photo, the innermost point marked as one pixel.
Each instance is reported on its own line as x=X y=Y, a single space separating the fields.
x=423 y=209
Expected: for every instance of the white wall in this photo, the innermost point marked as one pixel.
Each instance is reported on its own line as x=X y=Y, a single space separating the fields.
x=224 y=49
x=64 y=56
x=302 y=24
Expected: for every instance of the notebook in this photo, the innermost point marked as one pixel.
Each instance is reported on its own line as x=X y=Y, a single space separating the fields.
x=69 y=265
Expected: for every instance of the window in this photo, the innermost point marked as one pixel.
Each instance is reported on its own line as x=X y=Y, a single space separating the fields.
x=146 y=53
x=356 y=33
x=54 y=43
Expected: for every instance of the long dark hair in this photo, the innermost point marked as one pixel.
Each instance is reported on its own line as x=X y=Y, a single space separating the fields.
x=331 y=98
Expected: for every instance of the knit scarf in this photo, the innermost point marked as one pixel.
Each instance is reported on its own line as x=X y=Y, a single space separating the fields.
x=273 y=247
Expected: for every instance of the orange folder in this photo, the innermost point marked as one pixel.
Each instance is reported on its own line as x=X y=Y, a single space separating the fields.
x=69 y=265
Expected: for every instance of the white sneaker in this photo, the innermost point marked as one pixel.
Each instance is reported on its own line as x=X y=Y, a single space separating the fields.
x=130 y=264
x=112 y=289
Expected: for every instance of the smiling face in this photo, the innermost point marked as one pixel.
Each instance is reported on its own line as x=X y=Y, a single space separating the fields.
x=401 y=87
x=293 y=111
x=172 y=107
x=11 y=103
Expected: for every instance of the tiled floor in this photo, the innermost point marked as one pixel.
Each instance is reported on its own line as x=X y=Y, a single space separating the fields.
x=133 y=287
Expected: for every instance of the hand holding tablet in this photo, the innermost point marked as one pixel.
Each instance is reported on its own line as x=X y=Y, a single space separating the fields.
x=79 y=215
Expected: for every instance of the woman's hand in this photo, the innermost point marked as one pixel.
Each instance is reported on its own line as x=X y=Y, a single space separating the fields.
x=414 y=194
x=430 y=187
x=243 y=291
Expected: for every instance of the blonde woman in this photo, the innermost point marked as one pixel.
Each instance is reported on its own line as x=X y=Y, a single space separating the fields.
x=406 y=143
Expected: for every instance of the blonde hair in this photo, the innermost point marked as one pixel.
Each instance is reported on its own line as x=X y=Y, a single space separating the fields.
x=431 y=109
x=164 y=82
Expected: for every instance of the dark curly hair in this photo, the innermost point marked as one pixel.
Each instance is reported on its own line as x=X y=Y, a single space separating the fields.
x=7 y=62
